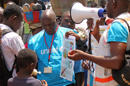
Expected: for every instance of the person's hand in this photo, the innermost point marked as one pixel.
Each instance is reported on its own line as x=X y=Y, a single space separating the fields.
x=44 y=83
x=76 y=54
x=99 y=22
x=67 y=34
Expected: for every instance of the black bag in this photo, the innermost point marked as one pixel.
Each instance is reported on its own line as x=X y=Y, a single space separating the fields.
x=122 y=76
x=5 y=74
x=81 y=45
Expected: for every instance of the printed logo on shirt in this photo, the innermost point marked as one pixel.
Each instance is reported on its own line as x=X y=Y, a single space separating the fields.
x=54 y=50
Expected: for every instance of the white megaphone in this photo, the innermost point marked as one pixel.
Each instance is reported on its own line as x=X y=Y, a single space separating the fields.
x=78 y=12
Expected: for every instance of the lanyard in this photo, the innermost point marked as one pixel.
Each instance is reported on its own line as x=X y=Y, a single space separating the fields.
x=51 y=43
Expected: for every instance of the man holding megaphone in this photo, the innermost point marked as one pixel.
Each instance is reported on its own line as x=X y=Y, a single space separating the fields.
x=112 y=45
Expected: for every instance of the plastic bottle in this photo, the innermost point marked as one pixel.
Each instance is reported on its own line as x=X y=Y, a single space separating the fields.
x=35 y=72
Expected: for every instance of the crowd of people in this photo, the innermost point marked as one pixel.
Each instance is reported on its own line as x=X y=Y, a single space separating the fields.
x=94 y=57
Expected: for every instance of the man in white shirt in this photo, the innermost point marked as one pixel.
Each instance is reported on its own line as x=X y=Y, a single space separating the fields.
x=11 y=42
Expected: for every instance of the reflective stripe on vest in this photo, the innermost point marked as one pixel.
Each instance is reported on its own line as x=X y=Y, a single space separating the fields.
x=103 y=80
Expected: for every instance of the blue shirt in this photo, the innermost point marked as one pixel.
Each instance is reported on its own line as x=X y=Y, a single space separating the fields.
x=117 y=33
x=37 y=44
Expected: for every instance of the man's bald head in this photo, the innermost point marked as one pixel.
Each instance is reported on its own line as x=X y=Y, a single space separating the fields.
x=49 y=14
x=48 y=21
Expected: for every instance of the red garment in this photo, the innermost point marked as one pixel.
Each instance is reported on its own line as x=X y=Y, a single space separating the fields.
x=108 y=21
x=26 y=45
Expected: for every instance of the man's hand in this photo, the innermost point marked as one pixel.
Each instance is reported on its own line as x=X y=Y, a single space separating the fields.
x=67 y=34
x=76 y=54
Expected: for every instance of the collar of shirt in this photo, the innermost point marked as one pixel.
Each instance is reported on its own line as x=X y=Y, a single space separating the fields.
x=3 y=26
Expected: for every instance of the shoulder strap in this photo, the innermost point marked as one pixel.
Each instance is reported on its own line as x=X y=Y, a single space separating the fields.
x=89 y=44
x=5 y=31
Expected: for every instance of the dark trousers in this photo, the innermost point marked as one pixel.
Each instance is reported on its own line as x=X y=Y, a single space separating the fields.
x=3 y=81
x=79 y=78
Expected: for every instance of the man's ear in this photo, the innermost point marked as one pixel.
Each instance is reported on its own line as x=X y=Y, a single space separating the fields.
x=12 y=18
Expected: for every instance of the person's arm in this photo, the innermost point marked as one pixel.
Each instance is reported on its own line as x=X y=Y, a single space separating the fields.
x=117 y=37
x=114 y=61
x=96 y=31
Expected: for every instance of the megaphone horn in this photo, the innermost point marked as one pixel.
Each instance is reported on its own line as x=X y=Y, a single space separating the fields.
x=78 y=12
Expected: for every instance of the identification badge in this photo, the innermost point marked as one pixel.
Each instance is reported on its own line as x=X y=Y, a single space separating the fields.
x=47 y=69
